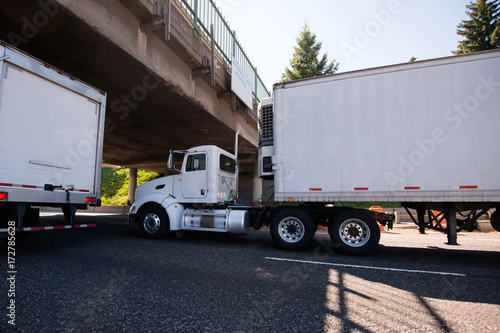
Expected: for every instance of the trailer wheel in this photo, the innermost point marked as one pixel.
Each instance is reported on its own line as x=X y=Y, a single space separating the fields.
x=292 y=229
x=355 y=232
x=495 y=220
x=153 y=222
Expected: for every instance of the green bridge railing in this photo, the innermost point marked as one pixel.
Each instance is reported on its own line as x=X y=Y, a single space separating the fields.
x=202 y=14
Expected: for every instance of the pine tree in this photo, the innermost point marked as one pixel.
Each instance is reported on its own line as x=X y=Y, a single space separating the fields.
x=305 y=62
x=482 y=31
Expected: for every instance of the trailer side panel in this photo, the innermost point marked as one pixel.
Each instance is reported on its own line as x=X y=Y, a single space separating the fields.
x=424 y=132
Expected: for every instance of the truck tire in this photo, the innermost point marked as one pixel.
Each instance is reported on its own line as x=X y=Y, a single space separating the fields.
x=292 y=229
x=153 y=222
x=354 y=232
x=495 y=220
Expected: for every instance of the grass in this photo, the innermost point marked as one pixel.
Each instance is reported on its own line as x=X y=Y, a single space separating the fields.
x=368 y=204
x=346 y=204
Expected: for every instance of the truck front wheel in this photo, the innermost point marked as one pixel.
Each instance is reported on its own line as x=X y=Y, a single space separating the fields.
x=292 y=229
x=153 y=222
x=355 y=232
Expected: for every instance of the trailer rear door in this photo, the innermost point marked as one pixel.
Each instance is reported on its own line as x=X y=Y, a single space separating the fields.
x=48 y=133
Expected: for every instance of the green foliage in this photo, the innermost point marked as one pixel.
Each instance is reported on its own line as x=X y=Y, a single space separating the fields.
x=114 y=184
x=305 y=62
x=368 y=204
x=342 y=204
x=287 y=204
x=482 y=31
x=146 y=176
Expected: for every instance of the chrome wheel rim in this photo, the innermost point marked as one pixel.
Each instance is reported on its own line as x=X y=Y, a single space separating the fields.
x=152 y=223
x=354 y=232
x=291 y=229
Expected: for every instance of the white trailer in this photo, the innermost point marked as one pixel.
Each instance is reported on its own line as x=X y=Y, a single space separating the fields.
x=51 y=129
x=423 y=134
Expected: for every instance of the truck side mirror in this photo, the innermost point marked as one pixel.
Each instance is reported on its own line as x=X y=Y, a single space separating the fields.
x=170 y=163
x=171 y=159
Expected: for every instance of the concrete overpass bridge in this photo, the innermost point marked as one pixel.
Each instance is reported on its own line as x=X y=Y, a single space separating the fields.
x=165 y=64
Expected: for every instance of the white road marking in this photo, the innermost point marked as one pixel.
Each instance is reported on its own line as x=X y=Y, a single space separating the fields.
x=367 y=267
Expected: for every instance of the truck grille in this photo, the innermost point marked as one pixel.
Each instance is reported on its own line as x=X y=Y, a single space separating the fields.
x=266 y=126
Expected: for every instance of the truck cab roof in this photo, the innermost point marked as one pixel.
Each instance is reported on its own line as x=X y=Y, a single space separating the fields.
x=211 y=149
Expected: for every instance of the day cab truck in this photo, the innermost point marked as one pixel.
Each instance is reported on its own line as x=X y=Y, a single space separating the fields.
x=51 y=139
x=424 y=134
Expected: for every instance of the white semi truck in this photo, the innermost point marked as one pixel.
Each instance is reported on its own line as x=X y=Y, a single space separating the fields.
x=51 y=130
x=424 y=134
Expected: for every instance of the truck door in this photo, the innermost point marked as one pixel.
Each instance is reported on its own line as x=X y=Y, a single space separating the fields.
x=195 y=176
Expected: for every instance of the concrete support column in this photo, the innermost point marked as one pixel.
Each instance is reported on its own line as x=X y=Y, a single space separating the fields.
x=132 y=185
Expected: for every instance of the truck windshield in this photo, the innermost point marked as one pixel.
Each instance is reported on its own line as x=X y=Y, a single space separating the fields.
x=227 y=164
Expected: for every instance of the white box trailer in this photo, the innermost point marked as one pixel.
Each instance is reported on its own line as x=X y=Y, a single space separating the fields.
x=426 y=131
x=424 y=134
x=52 y=128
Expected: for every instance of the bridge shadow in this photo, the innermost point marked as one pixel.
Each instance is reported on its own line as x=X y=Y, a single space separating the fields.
x=423 y=296
x=365 y=299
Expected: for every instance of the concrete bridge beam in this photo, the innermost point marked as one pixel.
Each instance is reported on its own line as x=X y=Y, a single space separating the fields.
x=154 y=102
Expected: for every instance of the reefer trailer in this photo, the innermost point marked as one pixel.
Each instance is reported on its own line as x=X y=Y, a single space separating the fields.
x=51 y=129
x=423 y=134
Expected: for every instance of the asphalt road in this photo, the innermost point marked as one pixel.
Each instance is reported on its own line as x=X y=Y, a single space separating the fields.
x=109 y=279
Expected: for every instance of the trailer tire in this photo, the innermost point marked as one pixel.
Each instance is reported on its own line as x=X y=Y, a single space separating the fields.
x=153 y=222
x=495 y=220
x=354 y=232
x=292 y=229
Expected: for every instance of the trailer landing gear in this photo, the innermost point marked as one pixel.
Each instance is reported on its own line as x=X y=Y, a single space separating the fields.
x=443 y=217
x=451 y=231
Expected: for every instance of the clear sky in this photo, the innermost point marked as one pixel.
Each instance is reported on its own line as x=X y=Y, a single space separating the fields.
x=358 y=33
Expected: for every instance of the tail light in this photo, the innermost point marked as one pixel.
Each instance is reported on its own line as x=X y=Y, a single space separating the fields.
x=90 y=200
x=4 y=196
